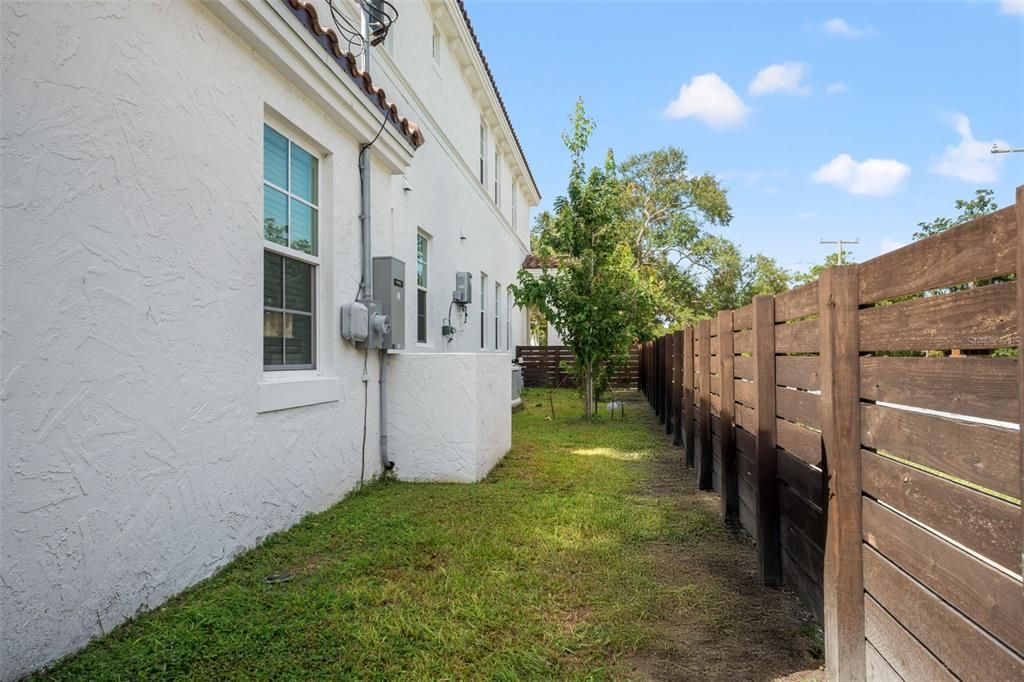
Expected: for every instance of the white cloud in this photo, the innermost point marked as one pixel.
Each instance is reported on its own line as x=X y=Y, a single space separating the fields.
x=877 y=177
x=786 y=78
x=971 y=160
x=1011 y=7
x=708 y=98
x=838 y=27
x=835 y=88
x=890 y=245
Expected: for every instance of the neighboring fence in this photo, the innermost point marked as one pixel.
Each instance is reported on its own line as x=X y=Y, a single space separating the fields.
x=543 y=366
x=882 y=482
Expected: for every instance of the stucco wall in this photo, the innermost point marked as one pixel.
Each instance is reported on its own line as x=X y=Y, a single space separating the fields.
x=449 y=416
x=135 y=457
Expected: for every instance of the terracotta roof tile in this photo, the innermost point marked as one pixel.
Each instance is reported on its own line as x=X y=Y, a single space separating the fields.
x=306 y=13
x=532 y=262
x=494 y=84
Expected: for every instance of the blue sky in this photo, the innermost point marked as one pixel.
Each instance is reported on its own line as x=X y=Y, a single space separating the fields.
x=912 y=93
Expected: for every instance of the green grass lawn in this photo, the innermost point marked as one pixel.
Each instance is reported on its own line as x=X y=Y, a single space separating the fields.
x=571 y=561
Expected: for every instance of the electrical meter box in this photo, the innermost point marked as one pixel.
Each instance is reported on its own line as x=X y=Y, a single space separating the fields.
x=463 y=294
x=389 y=291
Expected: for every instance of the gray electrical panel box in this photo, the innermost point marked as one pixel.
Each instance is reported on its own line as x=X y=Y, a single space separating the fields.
x=463 y=294
x=389 y=291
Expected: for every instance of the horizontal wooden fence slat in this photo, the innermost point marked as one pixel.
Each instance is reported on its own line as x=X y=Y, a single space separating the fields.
x=980 y=522
x=542 y=367
x=806 y=518
x=746 y=419
x=743 y=318
x=985 y=317
x=878 y=669
x=985 y=455
x=990 y=597
x=798 y=372
x=796 y=303
x=743 y=342
x=974 y=386
x=743 y=366
x=800 y=442
x=798 y=406
x=805 y=480
x=906 y=655
x=982 y=248
x=798 y=580
x=962 y=646
x=797 y=337
x=745 y=392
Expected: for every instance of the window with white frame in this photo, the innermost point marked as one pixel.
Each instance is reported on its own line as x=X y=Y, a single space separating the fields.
x=483 y=311
x=497 y=178
x=435 y=45
x=508 y=319
x=483 y=154
x=422 y=254
x=290 y=256
x=497 y=315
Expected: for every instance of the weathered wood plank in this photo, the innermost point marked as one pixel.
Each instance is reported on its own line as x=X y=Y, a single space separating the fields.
x=967 y=650
x=806 y=553
x=975 y=386
x=745 y=442
x=982 y=248
x=743 y=342
x=730 y=499
x=804 y=516
x=985 y=317
x=704 y=472
x=985 y=524
x=802 y=584
x=989 y=597
x=743 y=318
x=985 y=455
x=878 y=669
x=904 y=653
x=798 y=302
x=797 y=337
x=840 y=420
x=745 y=392
x=688 y=395
x=746 y=418
x=798 y=372
x=767 y=512
x=677 y=388
x=807 y=481
x=744 y=365
x=798 y=406
x=800 y=442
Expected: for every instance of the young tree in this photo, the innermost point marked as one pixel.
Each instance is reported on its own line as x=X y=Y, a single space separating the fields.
x=983 y=203
x=596 y=297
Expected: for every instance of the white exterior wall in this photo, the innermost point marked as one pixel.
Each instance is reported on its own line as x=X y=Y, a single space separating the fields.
x=460 y=436
x=141 y=443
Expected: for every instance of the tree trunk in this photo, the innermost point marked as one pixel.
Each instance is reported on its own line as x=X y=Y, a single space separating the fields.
x=588 y=393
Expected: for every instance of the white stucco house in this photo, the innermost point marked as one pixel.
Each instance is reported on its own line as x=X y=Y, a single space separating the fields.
x=186 y=204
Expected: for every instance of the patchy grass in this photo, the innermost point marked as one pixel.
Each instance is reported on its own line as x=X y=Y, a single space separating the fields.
x=586 y=554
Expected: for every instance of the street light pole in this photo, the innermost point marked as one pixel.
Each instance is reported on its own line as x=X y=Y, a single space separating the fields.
x=840 y=242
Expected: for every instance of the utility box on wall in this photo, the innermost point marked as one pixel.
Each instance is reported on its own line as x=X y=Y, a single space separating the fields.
x=389 y=290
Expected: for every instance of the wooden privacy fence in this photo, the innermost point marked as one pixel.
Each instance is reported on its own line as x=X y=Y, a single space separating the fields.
x=543 y=366
x=865 y=429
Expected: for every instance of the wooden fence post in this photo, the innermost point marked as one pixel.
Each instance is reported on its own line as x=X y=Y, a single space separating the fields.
x=726 y=374
x=669 y=392
x=1019 y=209
x=677 y=388
x=768 y=534
x=688 y=394
x=706 y=456
x=840 y=431
x=659 y=355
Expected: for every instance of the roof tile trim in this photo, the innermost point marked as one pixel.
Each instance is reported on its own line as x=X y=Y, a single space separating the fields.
x=494 y=84
x=306 y=13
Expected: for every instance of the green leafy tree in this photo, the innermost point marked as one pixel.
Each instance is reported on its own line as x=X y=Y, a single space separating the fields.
x=734 y=279
x=596 y=297
x=832 y=259
x=983 y=203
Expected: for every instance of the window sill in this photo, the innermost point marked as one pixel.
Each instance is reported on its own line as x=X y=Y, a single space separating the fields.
x=282 y=393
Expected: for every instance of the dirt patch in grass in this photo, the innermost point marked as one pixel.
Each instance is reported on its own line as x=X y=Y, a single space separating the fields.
x=717 y=621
